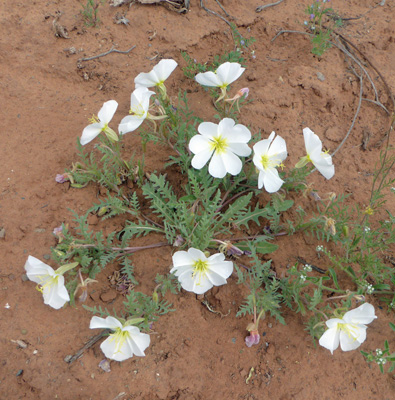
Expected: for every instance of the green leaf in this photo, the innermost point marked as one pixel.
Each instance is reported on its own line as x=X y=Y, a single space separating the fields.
x=262 y=246
x=334 y=277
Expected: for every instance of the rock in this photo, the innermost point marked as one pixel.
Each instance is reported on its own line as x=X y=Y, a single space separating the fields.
x=320 y=76
x=2 y=233
x=108 y=296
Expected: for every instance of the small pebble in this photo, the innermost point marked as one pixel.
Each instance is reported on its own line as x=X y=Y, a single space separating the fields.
x=24 y=278
x=20 y=372
x=320 y=76
x=23 y=331
x=47 y=256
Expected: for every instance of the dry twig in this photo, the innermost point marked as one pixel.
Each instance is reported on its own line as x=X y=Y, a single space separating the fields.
x=86 y=346
x=112 y=50
x=261 y=8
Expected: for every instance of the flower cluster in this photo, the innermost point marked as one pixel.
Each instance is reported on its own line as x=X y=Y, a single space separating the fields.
x=225 y=142
x=139 y=104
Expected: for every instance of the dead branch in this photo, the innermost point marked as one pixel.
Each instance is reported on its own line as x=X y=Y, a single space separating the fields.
x=93 y=340
x=112 y=50
x=261 y=8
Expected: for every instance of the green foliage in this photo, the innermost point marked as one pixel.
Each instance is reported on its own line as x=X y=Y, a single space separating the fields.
x=382 y=357
x=109 y=171
x=140 y=305
x=90 y=12
x=321 y=33
x=265 y=295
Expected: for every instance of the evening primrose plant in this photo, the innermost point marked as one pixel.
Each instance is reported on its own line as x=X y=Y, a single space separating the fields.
x=218 y=219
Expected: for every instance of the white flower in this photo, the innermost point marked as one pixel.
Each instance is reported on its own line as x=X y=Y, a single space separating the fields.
x=197 y=273
x=321 y=160
x=101 y=125
x=125 y=342
x=224 y=142
x=157 y=75
x=50 y=282
x=269 y=154
x=139 y=104
x=225 y=74
x=349 y=331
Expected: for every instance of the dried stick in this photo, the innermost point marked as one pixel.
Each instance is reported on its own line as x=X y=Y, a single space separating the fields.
x=352 y=57
x=214 y=13
x=261 y=8
x=112 y=50
x=222 y=8
x=93 y=340
x=355 y=116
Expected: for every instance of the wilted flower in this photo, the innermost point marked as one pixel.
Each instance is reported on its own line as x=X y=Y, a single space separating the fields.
x=50 y=282
x=100 y=124
x=349 y=331
x=139 y=105
x=197 y=273
x=126 y=341
x=252 y=339
x=321 y=160
x=225 y=142
x=254 y=336
x=62 y=178
x=236 y=99
x=156 y=76
x=225 y=74
x=268 y=155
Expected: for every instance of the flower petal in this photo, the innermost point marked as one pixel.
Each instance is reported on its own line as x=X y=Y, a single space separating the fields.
x=352 y=341
x=311 y=141
x=90 y=132
x=105 y=323
x=208 y=79
x=216 y=168
x=364 y=314
x=107 y=111
x=56 y=295
x=278 y=149
x=240 y=149
x=181 y=258
x=129 y=124
x=114 y=350
x=321 y=163
x=271 y=180
x=208 y=129
x=37 y=271
x=164 y=69
x=146 y=79
x=200 y=159
x=232 y=163
x=228 y=72
x=200 y=143
x=223 y=269
x=137 y=340
x=330 y=339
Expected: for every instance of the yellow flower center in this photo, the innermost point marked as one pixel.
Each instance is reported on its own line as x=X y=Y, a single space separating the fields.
x=138 y=110
x=219 y=144
x=47 y=282
x=270 y=163
x=350 y=329
x=200 y=268
x=120 y=337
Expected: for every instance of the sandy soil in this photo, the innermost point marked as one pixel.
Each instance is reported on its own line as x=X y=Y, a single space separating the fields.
x=47 y=95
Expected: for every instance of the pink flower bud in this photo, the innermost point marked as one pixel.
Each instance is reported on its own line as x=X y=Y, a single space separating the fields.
x=252 y=339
